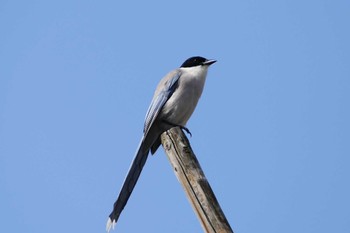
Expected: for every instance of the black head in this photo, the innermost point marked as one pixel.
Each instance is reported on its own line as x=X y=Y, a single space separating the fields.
x=197 y=61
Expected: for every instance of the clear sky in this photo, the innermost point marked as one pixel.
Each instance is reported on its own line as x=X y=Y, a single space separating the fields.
x=271 y=130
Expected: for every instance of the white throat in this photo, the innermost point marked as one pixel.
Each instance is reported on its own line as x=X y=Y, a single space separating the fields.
x=199 y=72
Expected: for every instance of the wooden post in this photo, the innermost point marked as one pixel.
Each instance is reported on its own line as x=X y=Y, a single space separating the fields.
x=194 y=182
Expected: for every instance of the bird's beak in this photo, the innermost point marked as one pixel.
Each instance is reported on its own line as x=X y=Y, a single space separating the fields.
x=209 y=62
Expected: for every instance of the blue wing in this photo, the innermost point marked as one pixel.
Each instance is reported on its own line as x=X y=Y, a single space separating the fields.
x=159 y=100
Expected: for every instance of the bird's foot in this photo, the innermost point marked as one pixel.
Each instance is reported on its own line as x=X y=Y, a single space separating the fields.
x=186 y=129
x=180 y=126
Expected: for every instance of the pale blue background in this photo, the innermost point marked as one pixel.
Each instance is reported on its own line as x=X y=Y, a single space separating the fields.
x=271 y=130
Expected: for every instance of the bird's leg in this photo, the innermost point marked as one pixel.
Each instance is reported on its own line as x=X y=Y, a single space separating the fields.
x=181 y=127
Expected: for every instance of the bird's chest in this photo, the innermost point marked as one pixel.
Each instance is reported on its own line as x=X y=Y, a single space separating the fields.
x=182 y=103
x=191 y=89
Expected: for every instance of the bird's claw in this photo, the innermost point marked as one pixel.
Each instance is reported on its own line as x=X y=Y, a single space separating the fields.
x=186 y=129
x=181 y=127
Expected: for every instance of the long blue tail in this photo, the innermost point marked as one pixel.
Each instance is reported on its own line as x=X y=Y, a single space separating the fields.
x=129 y=184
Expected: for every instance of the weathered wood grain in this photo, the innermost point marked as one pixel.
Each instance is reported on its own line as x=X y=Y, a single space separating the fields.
x=191 y=176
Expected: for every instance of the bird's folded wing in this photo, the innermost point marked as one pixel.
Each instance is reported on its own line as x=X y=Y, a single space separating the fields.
x=167 y=88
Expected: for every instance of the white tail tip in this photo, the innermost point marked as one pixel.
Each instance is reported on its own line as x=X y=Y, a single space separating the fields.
x=110 y=224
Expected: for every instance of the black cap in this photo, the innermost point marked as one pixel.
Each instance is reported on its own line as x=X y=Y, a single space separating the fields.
x=197 y=61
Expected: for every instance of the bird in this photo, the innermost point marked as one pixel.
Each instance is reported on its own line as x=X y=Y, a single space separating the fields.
x=173 y=103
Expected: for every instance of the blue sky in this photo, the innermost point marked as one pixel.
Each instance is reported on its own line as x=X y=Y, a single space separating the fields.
x=271 y=130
